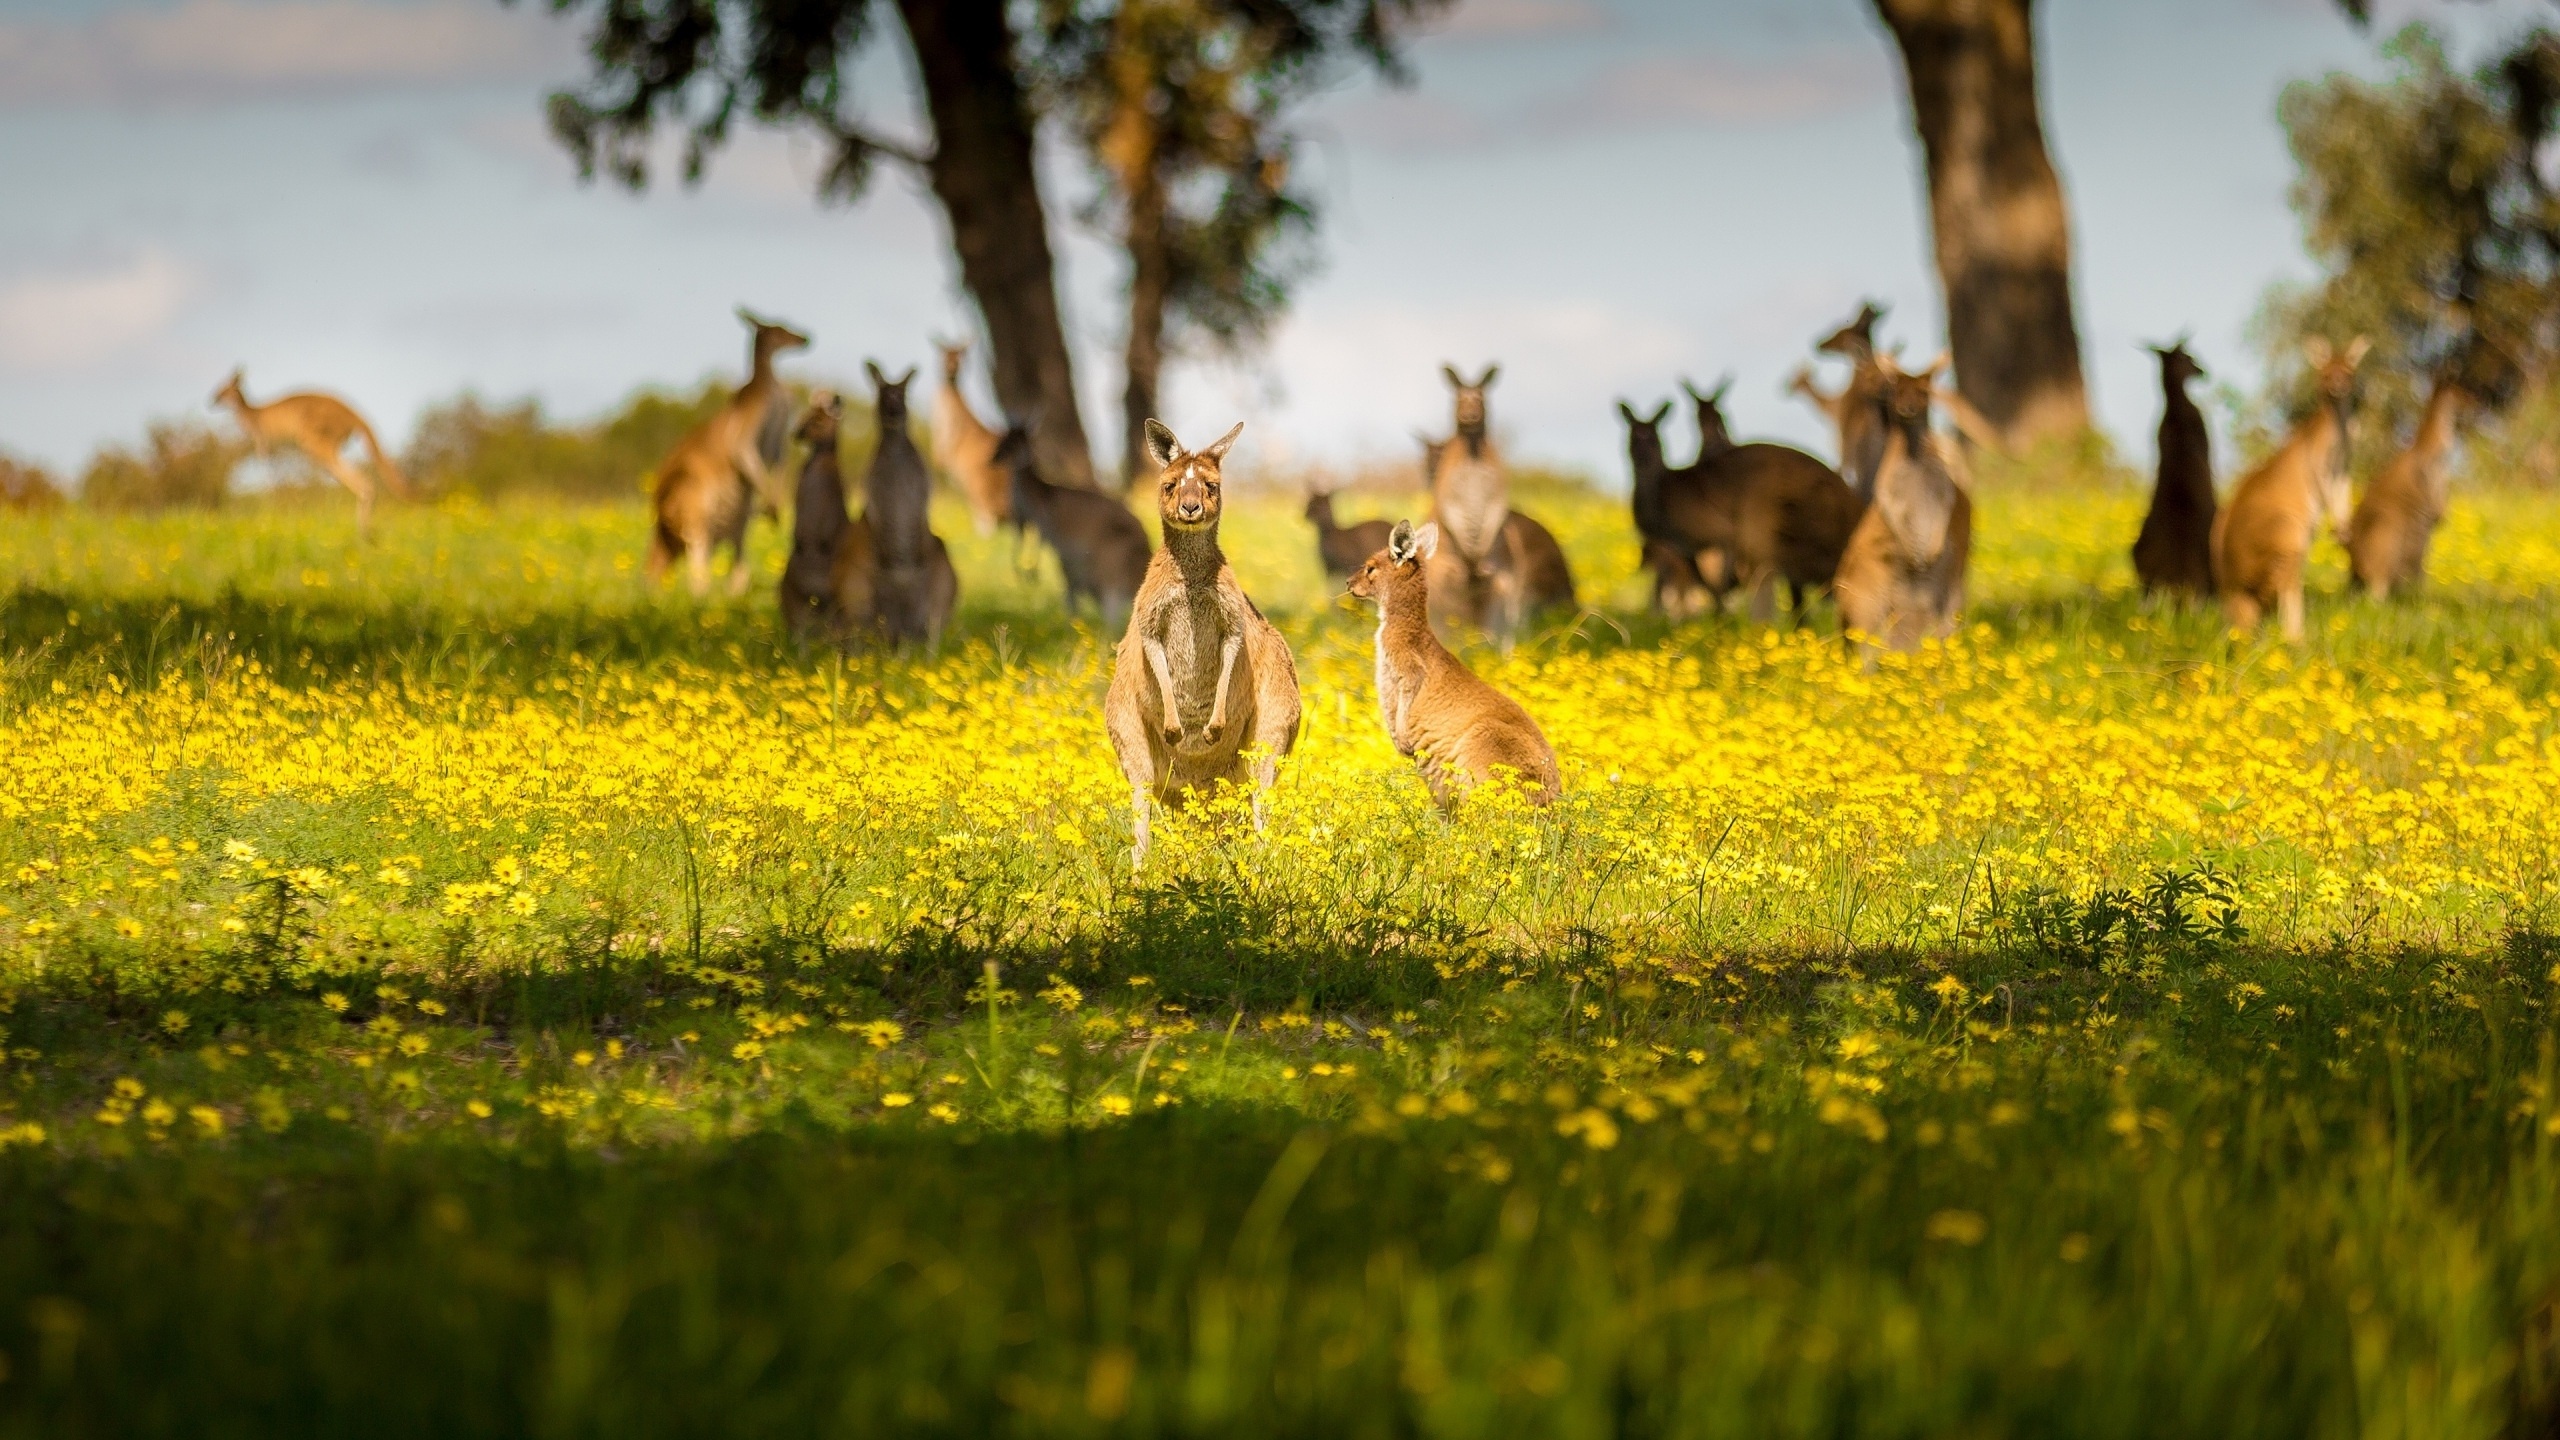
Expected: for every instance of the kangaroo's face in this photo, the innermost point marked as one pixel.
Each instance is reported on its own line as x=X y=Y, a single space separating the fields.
x=825 y=418
x=1470 y=397
x=1644 y=433
x=889 y=397
x=1432 y=450
x=2177 y=367
x=1319 y=508
x=952 y=356
x=1399 y=564
x=1855 y=340
x=1189 y=484
x=230 y=394
x=771 y=338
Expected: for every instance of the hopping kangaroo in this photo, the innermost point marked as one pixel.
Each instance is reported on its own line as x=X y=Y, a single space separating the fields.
x=1102 y=549
x=713 y=481
x=1479 y=582
x=319 y=426
x=1457 y=728
x=966 y=449
x=2174 y=552
x=2388 y=534
x=2262 y=537
x=913 y=586
x=813 y=599
x=1341 y=548
x=1901 y=580
x=1200 y=677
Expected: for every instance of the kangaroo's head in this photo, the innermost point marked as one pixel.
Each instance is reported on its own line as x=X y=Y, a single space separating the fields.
x=1389 y=571
x=2177 y=367
x=1470 y=401
x=953 y=353
x=1188 y=482
x=2334 y=373
x=1432 y=450
x=1713 y=437
x=1320 y=508
x=772 y=336
x=230 y=393
x=1857 y=339
x=1906 y=398
x=824 y=420
x=1644 y=436
x=889 y=397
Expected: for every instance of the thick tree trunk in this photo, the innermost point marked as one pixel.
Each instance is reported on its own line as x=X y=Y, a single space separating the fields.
x=983 y=173
x=1995 y=210
x=1150 y=278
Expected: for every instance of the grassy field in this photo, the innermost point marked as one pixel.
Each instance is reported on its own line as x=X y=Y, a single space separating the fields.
x=450 y=990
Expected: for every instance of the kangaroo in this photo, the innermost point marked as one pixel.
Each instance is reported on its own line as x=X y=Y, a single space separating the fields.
x=1200 y=677
x=319 y=426
x=1680 y=589
x=1471 y=498
x=1858 y=412
x=819 y=527
x=1713 y=438
x=716 y=478
x=914 y=586
x=1457 y=728
x=2174 y=552
x=1748 y=518
x=1832 y=404
x=2388 y=533
x=2262 y=537
x=966 y=449
x=1102 y=549
x=1901 y=580
x=1546 y=577
x=1341 y=548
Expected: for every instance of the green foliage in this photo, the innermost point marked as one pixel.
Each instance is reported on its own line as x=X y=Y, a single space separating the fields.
x=183 y=464
x=25 y=485
x=465 y=446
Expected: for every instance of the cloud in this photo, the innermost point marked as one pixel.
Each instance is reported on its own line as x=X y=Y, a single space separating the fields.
x=201 y=51
x=1510 y=19
x=79 y=319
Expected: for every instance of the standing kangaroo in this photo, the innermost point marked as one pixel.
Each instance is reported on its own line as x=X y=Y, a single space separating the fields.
x=1341 y=548
x=2174 y=552
x=966 y=449
x=1458 y=729
x=1858 y=414
x=2388 y=534
x=1478 y=583
x=319 y=426
x=1680 y=588
x=1901 y=580
x=1749 y=517
x=2262 y=538
x=1200 y=677
x=1714 y=438
x=913 y=586
x=821 y=532
x=713 y=481
x=1102 y=549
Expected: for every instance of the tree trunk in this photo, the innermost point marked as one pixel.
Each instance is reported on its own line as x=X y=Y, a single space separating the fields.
x=1996 y=211
x=1150 y=278
x=984 y=175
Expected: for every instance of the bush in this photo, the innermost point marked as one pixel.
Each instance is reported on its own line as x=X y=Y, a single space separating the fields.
x=183 y=463
x=468 y=446
x=25 y=485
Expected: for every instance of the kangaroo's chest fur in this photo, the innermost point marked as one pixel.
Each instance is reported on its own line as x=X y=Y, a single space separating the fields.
x=1471 y=500
x=1193 y=620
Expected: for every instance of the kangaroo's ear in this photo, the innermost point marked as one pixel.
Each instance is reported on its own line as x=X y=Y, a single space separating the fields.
x=1451 y=373
x=1935 y=367
x=878 y=380
x=1660 y=415
x=1627 y=413
x=2316 y=350
x=905 y=379
x=1426 y=541
x=1162 y=448
x=1224 y=443
x=1689 y=390
x=1716 y=397
x=1400 y=542
x=1486 y=378
x=749 y=316
x=2356 y=350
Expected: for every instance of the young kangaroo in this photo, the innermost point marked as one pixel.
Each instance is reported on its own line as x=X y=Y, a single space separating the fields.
x=2174 y=552
x=1477 y=583
x=1341 y=548
x=914 y=586
x=2262 y=538
x=1102 y=549
x=1901 y=581
x=1459 y=729
x=1200 y=677
x=820 y=530
x=319 y=426
x=966 y=449
x=716 y=478
x=2388 y=534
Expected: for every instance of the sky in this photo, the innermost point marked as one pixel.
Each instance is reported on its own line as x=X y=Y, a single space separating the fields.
x=1602 y=195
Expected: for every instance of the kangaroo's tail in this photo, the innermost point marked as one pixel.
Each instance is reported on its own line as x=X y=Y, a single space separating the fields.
x=664 y=547
x=383 y=464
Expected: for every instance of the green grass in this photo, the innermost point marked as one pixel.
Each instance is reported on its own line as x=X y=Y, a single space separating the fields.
x=772 y=1121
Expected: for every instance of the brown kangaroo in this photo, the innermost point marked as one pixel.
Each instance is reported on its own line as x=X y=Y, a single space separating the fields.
x=1680 y=589
x=2263 y=536
x=716 y=478
x=319 y=426
x=1546 y=577
x=913 y=587
x=966 y=449
x=2174 y=552
x=1749 y=517
x=1341 y=548
x=821 y=532
x=1200 y=677
x=1102 y=549
x=1714 y=438
x=2388 y=534
x=1477 y=583
x=1457 y=728
x=1901 y=581
x=1833 y=405
x=1861 y=429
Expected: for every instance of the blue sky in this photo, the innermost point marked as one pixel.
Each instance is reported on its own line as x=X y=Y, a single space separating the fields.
x=1601 y=194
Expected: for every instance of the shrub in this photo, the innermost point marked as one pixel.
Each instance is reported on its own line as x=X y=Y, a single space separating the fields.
x=25 y=485
x=183 y=463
